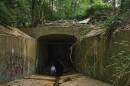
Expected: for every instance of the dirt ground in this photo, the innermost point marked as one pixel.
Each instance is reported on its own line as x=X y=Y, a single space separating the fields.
x=73 y=79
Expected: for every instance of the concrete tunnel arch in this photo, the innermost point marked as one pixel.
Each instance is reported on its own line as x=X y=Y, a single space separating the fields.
x=54 y=47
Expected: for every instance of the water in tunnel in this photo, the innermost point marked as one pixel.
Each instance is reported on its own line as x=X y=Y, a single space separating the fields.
x=54 y=49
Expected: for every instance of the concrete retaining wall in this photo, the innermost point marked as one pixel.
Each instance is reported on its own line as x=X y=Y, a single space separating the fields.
x=90 y=56
x=98 y=57
x=17 y=54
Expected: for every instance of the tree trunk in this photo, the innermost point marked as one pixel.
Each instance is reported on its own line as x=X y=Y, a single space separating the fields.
x=52 y=8
x=33 y=13
x=49 y=8
x=74 y=4
x=122 y=6
x=41 y=12
x=114 y=6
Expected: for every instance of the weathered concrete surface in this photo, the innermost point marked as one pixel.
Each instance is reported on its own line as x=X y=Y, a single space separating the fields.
x=41 y=31
x=93 y=56
x=71 y=79
x=17 y=54
x=89 y=54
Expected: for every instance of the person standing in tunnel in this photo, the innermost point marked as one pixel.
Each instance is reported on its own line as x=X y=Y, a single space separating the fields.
x=59 y=69
x=53 y=70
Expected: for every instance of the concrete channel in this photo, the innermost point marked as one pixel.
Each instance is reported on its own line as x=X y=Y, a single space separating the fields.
x=26 y=61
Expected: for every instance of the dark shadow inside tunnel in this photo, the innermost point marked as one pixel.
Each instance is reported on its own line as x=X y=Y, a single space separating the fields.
x=55 y=49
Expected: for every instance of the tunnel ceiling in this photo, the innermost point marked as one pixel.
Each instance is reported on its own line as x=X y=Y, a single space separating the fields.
x=57 y=38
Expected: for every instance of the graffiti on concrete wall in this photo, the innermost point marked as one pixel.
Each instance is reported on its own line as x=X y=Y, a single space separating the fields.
x=2 y=71
x=13 y=66
x=0 y=63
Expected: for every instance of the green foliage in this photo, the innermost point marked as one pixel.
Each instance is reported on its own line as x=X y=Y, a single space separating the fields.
x=127 y=4
x=98 y=11
x=122 y=63
x=112 y=22
x=70 y=9
x=6 y=16
x=115 y=20
x=19 y=12
x=14 y=13
x=22 y=13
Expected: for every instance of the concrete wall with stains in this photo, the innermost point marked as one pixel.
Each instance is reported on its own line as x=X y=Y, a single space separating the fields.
x=36 y=32
x=90 y=57
x=98 y=57
x=17 y=54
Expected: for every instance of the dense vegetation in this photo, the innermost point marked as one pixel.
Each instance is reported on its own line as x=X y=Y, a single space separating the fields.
x=22 y=13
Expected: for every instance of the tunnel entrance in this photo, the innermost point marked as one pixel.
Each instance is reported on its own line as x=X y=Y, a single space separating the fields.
x=54 y=48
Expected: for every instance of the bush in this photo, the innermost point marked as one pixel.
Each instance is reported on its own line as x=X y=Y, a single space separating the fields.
x=121 y=59
x=6 y=16
x=98 y=12
x=127 y=4
x=115 y=20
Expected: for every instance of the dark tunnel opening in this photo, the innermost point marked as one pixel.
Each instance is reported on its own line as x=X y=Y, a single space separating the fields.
x=55 y=49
